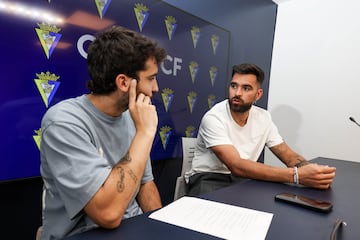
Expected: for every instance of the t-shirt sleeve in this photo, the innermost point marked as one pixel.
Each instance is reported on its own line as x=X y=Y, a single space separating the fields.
x=148 y=175
x=213 y=131
x=70 y=158
x=274 y=137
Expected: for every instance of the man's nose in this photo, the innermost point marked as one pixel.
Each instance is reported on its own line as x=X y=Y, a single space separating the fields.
x=238 y=91
x=155 y=87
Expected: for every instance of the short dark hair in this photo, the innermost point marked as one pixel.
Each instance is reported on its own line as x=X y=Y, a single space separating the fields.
x=118 y=50
x=248 y=68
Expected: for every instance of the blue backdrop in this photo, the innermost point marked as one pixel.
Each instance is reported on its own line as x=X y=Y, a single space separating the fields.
x=43 y=60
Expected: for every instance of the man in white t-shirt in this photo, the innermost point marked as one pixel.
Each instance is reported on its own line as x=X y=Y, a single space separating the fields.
x=232 y=135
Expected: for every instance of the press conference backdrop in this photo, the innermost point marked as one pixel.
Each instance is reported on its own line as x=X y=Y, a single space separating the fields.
x=43 y=61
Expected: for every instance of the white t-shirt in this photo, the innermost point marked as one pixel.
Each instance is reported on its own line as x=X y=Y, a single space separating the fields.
x=219 y=128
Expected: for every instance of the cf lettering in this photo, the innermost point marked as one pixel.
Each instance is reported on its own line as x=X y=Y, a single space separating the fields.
x=174 y=65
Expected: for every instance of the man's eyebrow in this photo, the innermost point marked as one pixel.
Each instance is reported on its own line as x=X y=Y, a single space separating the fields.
x=241 y=85
x=247 y=86
x=153 y=75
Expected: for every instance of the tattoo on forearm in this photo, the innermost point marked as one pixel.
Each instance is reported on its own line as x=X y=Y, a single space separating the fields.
x=126 y=158
x=301 y=162
x=282 y=151
x=132 y=175
x=294 y=160
x=120 y=183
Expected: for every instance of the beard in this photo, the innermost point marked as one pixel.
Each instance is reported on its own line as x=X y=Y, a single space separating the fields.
x=240 y=108
x=123 y=103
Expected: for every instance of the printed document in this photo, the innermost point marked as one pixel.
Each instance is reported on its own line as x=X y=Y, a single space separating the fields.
x=214 y=218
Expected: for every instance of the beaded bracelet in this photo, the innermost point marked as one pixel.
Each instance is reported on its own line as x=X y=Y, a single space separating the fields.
x=296 y=175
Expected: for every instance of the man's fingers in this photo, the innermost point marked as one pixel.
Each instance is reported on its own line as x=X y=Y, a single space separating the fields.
x=132 y=92
x=147 y=100
x=330 y=169
x=141 y=98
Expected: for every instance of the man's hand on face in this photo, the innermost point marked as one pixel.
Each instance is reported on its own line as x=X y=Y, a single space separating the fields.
x=142 y=111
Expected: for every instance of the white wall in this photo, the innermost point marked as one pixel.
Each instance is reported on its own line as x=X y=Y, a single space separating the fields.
x=315 y=78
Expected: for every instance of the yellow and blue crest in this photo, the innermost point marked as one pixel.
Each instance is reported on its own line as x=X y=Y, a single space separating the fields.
x=170 y=24
x=214 y=42
x=49 y=37
x=195 y=35
x=142 y=14
x=47 y=86
x=165 y=133
x=213 y=74
x=102 y=6
x=192 y=98
x=37 y=137
x=194 y=69
x=190 y=131
x=211 y=100
x=167 y=96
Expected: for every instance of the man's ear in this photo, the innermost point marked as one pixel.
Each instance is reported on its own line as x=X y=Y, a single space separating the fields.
x=122 y=82
x=259 y=93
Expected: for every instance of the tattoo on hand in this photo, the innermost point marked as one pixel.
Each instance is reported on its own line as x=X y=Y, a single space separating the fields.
x=120 y=183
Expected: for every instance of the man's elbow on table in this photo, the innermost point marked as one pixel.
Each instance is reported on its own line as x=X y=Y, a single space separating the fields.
x=108 y=219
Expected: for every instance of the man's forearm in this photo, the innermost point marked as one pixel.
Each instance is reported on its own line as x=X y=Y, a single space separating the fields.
x=149 y=197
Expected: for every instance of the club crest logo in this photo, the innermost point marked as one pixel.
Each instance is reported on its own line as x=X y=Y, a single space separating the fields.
x=37 y=137
x=194 y=69
x=192 y=98
x=141 y=14
x=170 y=24
x=165 y=133
x=211 y=100
x=195 y=35
x=214 y=43
x=49 y=37
x=190 y=131
x=213 y=74
x=102 y=6
x=47 y=85
x=167 y=96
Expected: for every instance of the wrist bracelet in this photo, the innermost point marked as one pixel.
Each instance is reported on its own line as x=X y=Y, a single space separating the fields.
x=296 y=175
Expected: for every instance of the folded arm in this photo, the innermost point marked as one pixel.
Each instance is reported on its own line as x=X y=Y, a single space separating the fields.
x=107 y=207
x=312 y=175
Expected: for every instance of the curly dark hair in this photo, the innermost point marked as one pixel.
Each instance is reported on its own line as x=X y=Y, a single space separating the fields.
x=248 y=68
x=118 y=50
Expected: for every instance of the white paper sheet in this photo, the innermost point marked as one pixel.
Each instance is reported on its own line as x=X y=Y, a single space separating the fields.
x=217 y=219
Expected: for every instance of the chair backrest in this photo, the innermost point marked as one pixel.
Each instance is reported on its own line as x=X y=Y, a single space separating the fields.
x=188 y=146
